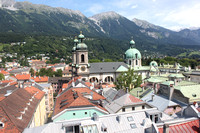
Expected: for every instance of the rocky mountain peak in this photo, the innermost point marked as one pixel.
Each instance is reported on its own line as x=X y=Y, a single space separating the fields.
x=106 y=15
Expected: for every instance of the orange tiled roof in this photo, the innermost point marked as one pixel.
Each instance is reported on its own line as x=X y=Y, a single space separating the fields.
x=108 y=85
x=65 y=85
x=4 y=72
x=6 y=81
x=88 y=84
x=17 y=102
x=134 y=99
x=23 y=76
x=96 y=96
x=68 y=98
x=32 y=90
x=1 y=98
x=40 y=79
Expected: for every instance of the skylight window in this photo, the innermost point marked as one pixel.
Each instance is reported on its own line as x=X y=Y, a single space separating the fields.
x=130 y=118
x=133 y=125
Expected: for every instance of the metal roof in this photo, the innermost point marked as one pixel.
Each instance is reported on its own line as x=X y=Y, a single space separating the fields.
x=105 y=67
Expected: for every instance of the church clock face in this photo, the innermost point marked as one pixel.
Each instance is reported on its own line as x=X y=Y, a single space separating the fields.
x=83 y=68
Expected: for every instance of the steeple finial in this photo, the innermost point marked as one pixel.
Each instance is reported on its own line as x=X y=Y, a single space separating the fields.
x=132 y=43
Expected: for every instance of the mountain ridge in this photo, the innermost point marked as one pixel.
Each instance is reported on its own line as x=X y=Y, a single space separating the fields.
x=41 y=19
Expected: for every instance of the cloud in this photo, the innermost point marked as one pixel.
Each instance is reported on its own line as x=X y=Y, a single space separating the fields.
x=95 y=8
x=134 y=6
x=185 y=16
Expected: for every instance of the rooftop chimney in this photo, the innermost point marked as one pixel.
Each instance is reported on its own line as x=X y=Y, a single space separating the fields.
x=91 y=94
x=171 y=91
x=152 y=97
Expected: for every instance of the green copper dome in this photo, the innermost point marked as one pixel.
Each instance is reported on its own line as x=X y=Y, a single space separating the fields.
x=81 y=36
x=154 y=63
x=73 y=49
x=133 y=53
x=81 y=46
x=76 y=40
x=132 y=42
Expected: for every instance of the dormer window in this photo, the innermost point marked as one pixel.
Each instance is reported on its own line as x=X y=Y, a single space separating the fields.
x=1 y=125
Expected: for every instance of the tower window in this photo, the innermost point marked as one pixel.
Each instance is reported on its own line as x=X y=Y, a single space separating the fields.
x=129 y=62
x=82 y=58
x=136 y=62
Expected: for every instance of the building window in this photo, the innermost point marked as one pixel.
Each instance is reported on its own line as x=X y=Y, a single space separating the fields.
x=130 y=118
x=136 y=62
x=133 y=108
x=143 y=107
x=82 y=58
x=123 y=109
x=85 y=113
x=129 y=62
x=133 y=125
x=156 y=118
x=74 y=113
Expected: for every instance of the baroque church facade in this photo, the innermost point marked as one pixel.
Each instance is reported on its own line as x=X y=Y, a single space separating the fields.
x=106 y=72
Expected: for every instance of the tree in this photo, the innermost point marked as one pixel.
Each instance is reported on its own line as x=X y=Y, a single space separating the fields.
x=42 y=72
x=127 y=80
x=32 y=72
x=2 y=76
x=58 y=73
x=139 y=81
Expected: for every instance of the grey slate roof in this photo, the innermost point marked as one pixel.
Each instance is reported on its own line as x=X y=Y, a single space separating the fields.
x=123 y=101
x=56 y=79
x=20 y=70
x=111 y=94
x=160 y=102
x=105 y=67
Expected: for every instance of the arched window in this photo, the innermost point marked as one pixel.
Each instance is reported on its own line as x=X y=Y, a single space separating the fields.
x=136 y=56
x=82 y=58
x=129 y=62
x=93 y=79
x=109 y=79
x=136 y=62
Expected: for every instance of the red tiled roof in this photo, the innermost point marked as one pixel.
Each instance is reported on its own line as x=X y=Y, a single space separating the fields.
x=1 y=98
x=9 y=126
x=23 y=76
x=65 y=85
x=187 y=127
x=108 y=85
x=88 y=84
x=96 y=96
x=40 y=79
x=4 y=72
x=13 y=105
x=68 y=98
x=6 y=81
x=134 y=99
x=32 y=90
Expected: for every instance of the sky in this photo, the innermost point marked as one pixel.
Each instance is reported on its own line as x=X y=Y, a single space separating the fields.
x=171 y=14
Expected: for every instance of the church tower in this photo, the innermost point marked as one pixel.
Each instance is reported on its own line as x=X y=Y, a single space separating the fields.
x=80 y=58
x=133 y=56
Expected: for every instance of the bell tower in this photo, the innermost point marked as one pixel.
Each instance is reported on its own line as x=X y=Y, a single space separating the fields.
x=81 y=58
